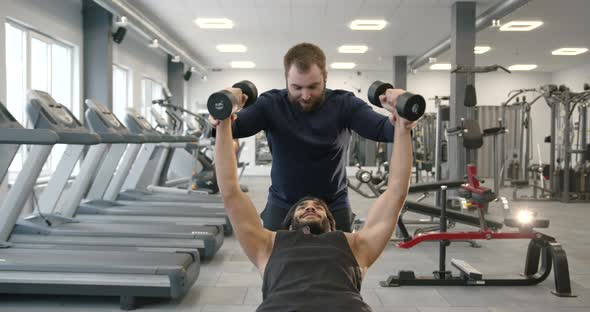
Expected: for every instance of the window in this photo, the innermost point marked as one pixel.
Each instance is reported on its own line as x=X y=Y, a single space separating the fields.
x=16 y=69
x=121 y=91
x=151 y=90
x=36 y=61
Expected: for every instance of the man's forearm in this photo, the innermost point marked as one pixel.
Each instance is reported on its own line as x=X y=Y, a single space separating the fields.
x=400 y=164
x=225 y=160
x=383 y=215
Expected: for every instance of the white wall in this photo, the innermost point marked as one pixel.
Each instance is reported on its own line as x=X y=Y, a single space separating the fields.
x=574 y=78
x=142 y=61
x=59 y=19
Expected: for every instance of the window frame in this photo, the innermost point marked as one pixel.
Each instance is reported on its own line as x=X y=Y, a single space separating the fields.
x=30 y=34
x=128 y=88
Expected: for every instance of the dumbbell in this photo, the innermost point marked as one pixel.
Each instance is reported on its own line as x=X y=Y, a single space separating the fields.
x=409 y=106
x=223 y=104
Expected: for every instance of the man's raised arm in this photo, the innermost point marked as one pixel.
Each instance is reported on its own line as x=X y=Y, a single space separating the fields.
x=254 y=239
x=369 y=243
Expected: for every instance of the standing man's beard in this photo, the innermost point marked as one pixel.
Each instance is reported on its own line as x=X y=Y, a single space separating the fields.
x=315 y=227
x=315 y=104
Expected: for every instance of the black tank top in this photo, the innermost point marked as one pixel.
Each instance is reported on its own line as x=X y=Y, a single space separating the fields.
x=307 y=272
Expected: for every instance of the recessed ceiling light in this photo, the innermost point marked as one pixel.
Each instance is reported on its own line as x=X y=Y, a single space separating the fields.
x=154 y=44
x=569 y=51
x=342 y=65
x=440 y=66
x=175 y=59
x=481 y=49
x=522 y=67
x=231 y=48
x=368 y=24
x=242 y=64
x=214 y=23
x=520 y=25
x=353 y=49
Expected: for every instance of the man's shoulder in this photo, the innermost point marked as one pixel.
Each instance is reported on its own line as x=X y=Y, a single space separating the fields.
x=339 y=92
x=273 y=94
x=346 y=99
x=342 y=96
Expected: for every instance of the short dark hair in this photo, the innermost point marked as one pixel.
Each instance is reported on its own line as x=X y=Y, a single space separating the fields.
x=289 y=218
x=303 y=56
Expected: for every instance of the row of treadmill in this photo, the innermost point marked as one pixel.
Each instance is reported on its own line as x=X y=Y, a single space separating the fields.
x=108 y=230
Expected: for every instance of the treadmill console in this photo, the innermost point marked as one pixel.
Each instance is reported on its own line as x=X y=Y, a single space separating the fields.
x=137 y=117
x=46 y=113
x=102 y=121
x=104 y=113
x=191 y=123
x=162 y=123
x=6 y=118
x=137 y=124
x=176 y=117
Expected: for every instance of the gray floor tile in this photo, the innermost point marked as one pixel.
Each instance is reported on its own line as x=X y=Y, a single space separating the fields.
x=411 y=297
x=238 y=267
x=538 y=309
x=582 y=279
x=453 y=309
x=229 y=308
x=394 y=308
x=215 y=295
x=253 y=296
x=370 y=297
x=249 y=279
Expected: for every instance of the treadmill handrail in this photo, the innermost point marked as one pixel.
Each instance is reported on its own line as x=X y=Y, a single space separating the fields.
x=27 y=136
x=77 y=138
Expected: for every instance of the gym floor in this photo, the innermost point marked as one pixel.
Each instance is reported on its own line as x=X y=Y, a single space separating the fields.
x=231 y=283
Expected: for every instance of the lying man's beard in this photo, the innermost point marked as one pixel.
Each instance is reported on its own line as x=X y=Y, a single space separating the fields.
x=315 y=227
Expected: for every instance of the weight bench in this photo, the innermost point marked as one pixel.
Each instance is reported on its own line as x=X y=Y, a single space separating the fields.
x=456 y=216
x=466 y=271
x=543 y=253
x=434 y=211
x=434 y=186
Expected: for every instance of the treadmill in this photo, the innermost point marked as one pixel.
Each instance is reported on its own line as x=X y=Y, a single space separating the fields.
x=48 y=228
x=152 y=163
x=142 y=182
x=175 y=176
x=101 y=210
x=128 y=275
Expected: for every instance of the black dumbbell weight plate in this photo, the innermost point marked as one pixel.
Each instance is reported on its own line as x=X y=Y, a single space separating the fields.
x=220 y=104
x=376 y=89
x=249 y=89
x=414 y=107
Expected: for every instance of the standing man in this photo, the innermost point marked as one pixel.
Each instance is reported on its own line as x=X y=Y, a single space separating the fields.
x=310 y=266
x=308 y=128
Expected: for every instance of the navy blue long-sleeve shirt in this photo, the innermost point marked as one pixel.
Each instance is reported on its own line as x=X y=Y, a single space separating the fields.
x=309 y=149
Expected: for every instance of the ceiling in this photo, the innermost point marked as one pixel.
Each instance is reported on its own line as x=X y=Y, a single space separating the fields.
x=565 y=24
x=269 y=27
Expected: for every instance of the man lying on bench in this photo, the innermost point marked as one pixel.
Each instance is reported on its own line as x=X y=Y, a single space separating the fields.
x=310 y=266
